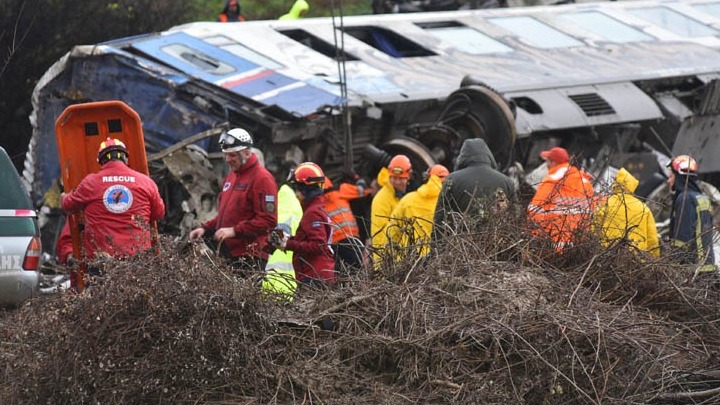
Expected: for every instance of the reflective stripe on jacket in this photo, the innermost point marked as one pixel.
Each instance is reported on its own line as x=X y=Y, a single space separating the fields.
x=561 y=204
x=691 y=223
x=280 y=276
x=337 y=205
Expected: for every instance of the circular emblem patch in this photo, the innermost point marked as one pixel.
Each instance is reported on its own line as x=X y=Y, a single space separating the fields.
x=117 y=199
x=226 y=186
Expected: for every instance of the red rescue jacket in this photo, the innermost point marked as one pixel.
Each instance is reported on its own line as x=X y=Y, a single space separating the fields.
x=64 y=246
x=119 y=204
x=312 y=256
x=248 y=204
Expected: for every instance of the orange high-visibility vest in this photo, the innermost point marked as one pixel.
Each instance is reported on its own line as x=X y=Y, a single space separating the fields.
x=561 y=204
x=337 y=205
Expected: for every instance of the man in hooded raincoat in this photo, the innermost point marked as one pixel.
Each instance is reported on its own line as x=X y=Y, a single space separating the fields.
x=624 y=217
x=393 y=181
x=412 y=219
x=473 y=191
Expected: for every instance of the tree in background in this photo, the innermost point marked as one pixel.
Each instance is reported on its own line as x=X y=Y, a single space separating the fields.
x=34 y=34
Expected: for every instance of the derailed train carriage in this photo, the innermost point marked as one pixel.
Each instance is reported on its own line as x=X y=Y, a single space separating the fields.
x=616 y=83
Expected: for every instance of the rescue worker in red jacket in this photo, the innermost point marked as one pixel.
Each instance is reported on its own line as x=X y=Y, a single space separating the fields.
x=231 y=12
x=313 y=259
x=247 y=209
x=562 y=203
x=118 y=204
x=345 y=231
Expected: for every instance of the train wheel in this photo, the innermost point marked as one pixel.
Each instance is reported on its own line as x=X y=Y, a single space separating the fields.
x=473 y=111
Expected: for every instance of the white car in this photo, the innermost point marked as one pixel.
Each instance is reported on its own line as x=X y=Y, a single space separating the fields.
x=20 y=247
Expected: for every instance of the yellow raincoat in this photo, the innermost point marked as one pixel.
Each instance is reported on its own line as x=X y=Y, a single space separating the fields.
x=382 y=207
x=624 y=216
x=417 y=209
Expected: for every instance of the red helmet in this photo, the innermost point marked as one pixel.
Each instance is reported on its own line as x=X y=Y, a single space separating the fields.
x=684 y=164
x=440 y=171
x=400 y=166
x=308 y=174
x=107 y=147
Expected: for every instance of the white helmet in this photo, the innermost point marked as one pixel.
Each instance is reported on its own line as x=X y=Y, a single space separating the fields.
x=235 y=140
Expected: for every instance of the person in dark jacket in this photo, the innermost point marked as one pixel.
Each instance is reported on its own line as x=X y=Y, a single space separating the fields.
x=691 y=221
x=473 y=191
x=231 y=12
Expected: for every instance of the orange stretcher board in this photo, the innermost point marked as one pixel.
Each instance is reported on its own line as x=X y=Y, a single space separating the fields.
x=79 y=130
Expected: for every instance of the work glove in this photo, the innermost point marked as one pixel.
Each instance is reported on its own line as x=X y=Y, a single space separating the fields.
x=278 y=239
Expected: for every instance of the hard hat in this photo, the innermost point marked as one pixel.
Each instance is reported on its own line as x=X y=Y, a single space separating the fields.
x=439 y=170
x=684 y=164
x=557 y=154
x=107 y=147
x=400 y=166
x=308 y=174
x=235 y=140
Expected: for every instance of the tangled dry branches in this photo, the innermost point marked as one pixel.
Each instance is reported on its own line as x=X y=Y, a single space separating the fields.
x=491 y=316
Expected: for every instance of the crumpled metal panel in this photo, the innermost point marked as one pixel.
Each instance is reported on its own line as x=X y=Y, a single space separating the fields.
x=698 y=137
x=559 y=111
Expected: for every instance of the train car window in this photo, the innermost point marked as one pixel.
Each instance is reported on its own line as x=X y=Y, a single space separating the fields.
x=606 y=27
x=316 y=44
x=673 y=21
x=464 y=38
x=535 y=33
x=198 y=59
x=388 y=42
x=710 y=8
x=242 y=51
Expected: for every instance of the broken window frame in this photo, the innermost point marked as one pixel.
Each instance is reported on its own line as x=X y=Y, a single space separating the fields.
x=198 y=59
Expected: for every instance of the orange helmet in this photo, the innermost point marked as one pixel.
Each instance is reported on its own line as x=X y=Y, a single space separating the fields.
x=107 y=147
x=439 y=170
x=684 y=164
x=400 y=166
x=309 y=174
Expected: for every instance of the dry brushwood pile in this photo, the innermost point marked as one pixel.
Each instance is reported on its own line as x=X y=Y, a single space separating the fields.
x=491 y=316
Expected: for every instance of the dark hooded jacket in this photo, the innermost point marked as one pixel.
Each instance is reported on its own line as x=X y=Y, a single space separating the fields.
x=691 y=223
x=474 y=190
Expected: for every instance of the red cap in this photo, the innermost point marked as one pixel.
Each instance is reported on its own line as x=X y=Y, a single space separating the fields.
x=556 y=154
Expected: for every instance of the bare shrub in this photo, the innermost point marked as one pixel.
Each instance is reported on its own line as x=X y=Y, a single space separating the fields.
x=484 y=318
